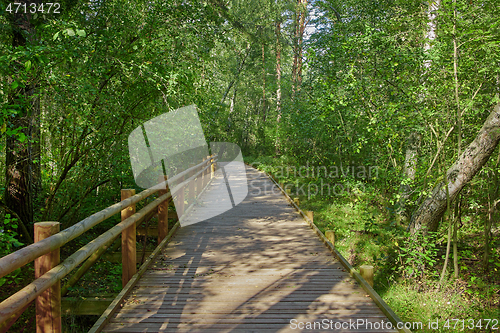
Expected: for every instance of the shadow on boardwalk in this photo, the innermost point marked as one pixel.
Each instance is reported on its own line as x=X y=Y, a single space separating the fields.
x=255 y=268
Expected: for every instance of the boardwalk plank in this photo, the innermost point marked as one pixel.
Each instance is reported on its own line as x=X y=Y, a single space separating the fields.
x=338 y=314
x=245 y=327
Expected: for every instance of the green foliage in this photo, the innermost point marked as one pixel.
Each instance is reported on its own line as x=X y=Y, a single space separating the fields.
x=116 y=283
x=417 y=255
x=8 y=244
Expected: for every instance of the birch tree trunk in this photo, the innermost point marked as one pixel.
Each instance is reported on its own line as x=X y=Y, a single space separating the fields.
x=414 y=140
x=410 y=170
x=263 y=83
x=278 y=86
x=430 y=212
x=278 y=71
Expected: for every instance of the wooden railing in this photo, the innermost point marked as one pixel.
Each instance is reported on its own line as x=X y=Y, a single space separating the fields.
x=46 y=290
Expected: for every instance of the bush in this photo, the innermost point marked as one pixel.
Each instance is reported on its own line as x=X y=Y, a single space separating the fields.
x=8 y=244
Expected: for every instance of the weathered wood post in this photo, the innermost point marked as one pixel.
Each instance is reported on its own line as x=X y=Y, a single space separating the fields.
x=310 y=215
x=212 y=168
x=199 y=181
x=191 y=190
x=207 y=172
x=180 y=200
x=128 y=241
x=48 y=304
x=330 y=235
x=366 y=272
x=204 y=173
x=163 y=214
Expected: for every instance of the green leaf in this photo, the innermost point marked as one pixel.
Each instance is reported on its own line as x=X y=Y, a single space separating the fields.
x=14 y=85
x=81 y=33
x=27 y=65
x=22 y=137
x=55 y=35
x=70 y=32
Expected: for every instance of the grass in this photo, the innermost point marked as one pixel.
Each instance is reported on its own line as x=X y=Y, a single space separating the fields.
x=406 y=269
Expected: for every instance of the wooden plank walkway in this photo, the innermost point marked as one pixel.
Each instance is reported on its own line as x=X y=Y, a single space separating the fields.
x=256 y=268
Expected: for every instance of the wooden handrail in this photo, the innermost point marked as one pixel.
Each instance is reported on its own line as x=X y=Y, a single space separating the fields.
x=95 y=256
x=185 y=182
x=29 y=253
x=15 y=304
x=17 y=259
x=187 y=171
x=31 y=291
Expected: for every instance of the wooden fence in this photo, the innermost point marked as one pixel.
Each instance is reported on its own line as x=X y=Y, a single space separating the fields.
x=46 y=289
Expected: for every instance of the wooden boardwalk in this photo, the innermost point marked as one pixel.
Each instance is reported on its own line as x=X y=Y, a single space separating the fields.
x=256 y=268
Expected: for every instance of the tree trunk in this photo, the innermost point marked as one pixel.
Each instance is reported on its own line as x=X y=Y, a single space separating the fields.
x=300 y=24
x=233 y=99
x=263 y=83
x=410 y=169
x=240 y=68
x=278 y=71
x=414 y=139
x=428 y=215
x=431 y=32
x=493 y=192
x=22 y=156
x=278 y=86
x=301 y=27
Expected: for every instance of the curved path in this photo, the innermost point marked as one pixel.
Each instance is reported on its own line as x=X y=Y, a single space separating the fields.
x=256 y=268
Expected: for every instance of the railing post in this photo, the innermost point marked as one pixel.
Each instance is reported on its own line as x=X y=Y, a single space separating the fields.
x=163 y=216
x=128 y=241
x=212 y=167
x=366 y=272
x=48 y=304
x=207 y=172
x=191 y=194
x=199 y=181
x=310 y=215
x=330 y=235
x=180 y=200
x=202 y=176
